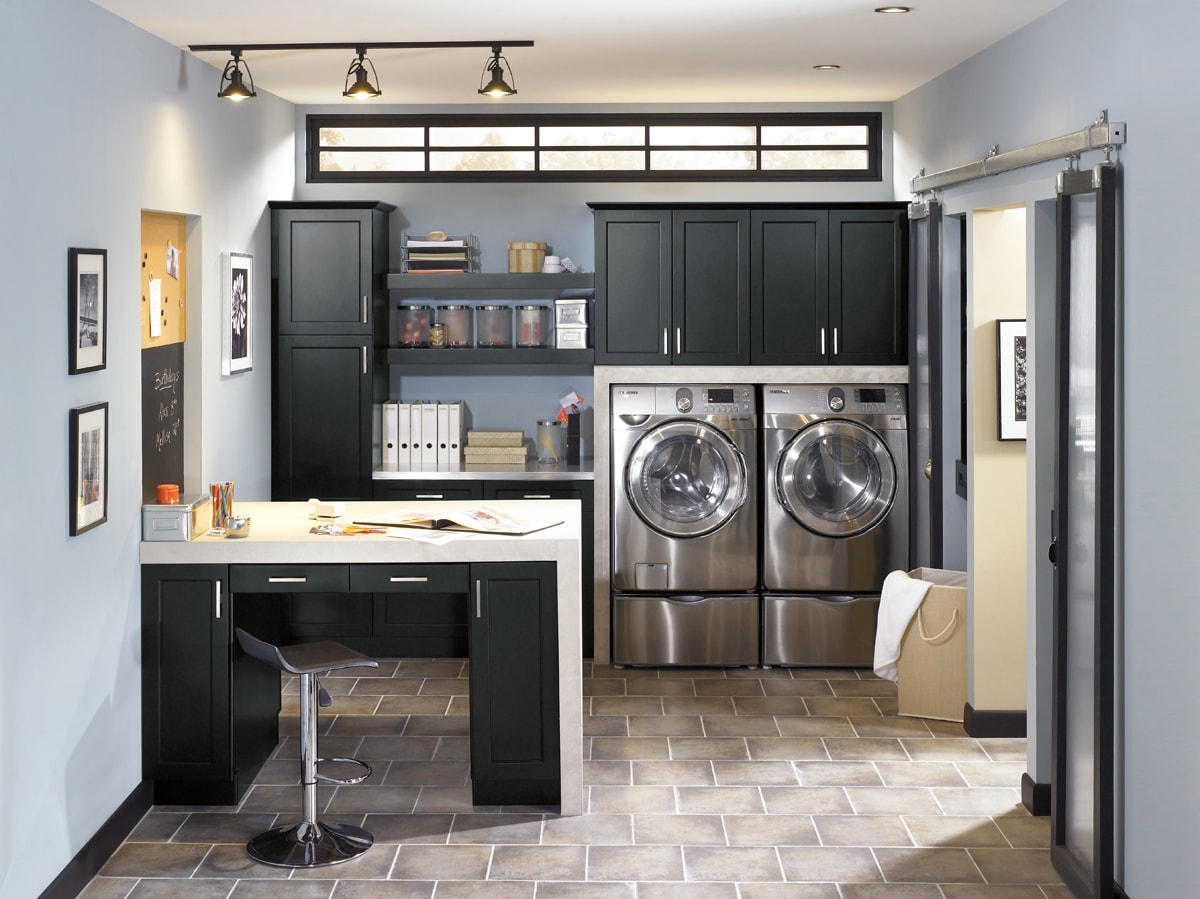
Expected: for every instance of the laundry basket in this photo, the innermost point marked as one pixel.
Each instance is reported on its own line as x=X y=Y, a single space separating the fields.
x=932 y=669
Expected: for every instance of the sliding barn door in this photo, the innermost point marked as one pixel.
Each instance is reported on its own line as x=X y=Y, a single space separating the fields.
x=926 y=474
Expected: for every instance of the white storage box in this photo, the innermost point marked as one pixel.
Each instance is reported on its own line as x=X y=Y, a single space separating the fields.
x=570 y=312
x=571 y=337
x=185 y=520
x=932 y=669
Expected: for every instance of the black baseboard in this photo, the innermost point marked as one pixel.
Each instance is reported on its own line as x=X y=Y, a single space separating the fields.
x=993 y=723
x=1035 y=796
x=91 y=858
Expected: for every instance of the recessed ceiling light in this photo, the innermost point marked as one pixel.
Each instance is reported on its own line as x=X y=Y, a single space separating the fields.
x=826 y=67
x=893 y=9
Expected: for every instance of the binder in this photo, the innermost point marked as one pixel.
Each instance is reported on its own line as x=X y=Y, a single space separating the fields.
x=404 y=434
x=414 y=433
x=429 y=434
x=454 y=420
x=443 y=434
x=391 y=433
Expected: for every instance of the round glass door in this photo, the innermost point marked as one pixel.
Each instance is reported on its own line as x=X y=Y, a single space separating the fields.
x=836 y=478
x=685 y=478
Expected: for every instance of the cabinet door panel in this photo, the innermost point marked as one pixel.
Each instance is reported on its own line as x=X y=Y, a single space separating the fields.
x=790 y=276
x=711 y=287
x=324 y=263
x=633 y=286
x=867 y=287
x=323 y=419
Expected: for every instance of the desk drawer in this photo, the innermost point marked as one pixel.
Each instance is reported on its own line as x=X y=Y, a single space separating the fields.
x=289 y=578
x=409 y=578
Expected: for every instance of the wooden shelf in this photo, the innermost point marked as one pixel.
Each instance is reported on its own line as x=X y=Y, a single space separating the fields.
x=488 y=356
x=498 y=284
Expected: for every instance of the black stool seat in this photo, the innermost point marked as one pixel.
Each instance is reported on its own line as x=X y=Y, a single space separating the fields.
x=311 y=843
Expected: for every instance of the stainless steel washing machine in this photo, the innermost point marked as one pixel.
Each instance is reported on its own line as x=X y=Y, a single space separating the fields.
x=685 y=525
x=835 y=463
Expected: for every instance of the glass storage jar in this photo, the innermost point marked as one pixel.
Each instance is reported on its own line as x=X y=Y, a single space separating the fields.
x=457 y=321
x=493 y=326
x=412 y=325
x=533 y=325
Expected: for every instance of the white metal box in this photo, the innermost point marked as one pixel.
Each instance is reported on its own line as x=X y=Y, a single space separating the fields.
x=571 y=337
x=185 y=520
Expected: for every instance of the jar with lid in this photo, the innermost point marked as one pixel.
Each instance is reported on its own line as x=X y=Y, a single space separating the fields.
x=412 y=325
x=456 y=319
x=493 y=326
x=533 y=325
x=437 y=335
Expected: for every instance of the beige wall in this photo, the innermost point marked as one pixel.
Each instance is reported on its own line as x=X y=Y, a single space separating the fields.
x=996 y=507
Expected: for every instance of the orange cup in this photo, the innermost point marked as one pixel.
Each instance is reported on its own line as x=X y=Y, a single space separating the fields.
x=168 y=493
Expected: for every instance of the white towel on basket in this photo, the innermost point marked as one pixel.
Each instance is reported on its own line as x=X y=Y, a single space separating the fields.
x=901 y=597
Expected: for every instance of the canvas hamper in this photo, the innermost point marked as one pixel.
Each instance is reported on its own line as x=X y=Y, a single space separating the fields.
x=932 y=669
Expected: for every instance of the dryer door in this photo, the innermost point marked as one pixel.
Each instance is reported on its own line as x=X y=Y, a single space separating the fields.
x=836 y=478
x=685 y=478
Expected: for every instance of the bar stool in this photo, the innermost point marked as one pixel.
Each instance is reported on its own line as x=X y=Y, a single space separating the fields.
x=311 y=843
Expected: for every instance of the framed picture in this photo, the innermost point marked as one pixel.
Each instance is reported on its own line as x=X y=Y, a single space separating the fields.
x=89 y=467
x=1013 y=381
x=87 y=319
x=237 y=314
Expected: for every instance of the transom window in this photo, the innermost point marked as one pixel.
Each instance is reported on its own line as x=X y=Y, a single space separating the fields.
x=612 y=147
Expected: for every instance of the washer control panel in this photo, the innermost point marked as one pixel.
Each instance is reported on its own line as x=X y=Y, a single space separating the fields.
x=717 y=400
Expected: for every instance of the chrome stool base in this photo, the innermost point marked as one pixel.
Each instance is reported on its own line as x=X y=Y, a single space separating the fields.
x=306 y=845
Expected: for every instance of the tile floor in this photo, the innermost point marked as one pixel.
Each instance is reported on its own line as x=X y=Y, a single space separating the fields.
x=758 y=784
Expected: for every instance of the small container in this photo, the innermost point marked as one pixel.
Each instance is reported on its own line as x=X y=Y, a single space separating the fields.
x=237 y=527
x=549 y=441
x=570 y=312
x=571 y=337
x=437 y=335
x=552 y=265
x=168 y=494
x=493 y=326
x=457 y=322
x=184 y=520
x=222 y=504
x=412 y=325
x=533 y=325
x=526 y=256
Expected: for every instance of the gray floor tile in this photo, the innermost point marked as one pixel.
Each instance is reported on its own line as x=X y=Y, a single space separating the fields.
x=732 y=863
x=679 y=830
x=635 y=863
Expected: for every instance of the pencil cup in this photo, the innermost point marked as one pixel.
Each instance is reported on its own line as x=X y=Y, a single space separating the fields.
x=222 y=504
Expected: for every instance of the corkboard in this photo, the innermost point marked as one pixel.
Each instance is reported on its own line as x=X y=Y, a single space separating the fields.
x=164 y=258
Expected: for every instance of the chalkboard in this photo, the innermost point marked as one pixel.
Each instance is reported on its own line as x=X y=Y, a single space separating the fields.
x=162 y=418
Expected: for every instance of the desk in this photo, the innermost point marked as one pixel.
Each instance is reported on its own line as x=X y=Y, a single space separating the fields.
x=208 y=711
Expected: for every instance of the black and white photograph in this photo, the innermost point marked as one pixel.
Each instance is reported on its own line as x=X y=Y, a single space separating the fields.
x=237 y=314
x=1014 y=393
x=89 y=467
x=87 y=320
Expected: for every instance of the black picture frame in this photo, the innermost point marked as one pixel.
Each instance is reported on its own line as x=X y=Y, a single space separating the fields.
x=1012 y=379
x=89 y=467
x=87 y=317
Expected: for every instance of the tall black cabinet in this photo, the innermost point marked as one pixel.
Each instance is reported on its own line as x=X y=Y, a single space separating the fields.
x=328 y=266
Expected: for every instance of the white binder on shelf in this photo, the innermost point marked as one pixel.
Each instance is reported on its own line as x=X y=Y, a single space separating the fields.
x=429 y=434
x=454 y=427
x=443 y=434
x=404 y=434
x=391 y=432
x=414 y=433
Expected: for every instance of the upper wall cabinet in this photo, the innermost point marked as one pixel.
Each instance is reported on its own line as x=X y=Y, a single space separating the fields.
x=328 y=266
x=672 y=286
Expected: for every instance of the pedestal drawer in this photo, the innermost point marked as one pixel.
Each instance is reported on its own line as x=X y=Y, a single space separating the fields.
x=289 y=578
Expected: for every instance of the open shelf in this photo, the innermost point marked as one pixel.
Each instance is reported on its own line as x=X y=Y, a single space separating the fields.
x=488 y=356
x=494 y=284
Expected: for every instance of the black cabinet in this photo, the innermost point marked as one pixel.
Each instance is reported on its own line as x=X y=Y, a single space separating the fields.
x=828 y=287
x=328 y=266
x=514 y=684
x=672 y=286
x=208 y=710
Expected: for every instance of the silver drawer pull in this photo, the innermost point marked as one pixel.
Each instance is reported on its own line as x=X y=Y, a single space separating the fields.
x=536 y=496
x=478 y=599
x=287 y=580
x=408 y=580
x=364 y=321
x=218 y=596
x=429 y=496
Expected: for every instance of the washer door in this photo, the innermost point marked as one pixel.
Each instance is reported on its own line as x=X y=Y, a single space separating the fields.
x=685 y=478
x=836 y=478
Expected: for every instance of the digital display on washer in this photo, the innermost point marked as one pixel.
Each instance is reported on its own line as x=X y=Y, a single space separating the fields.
x=870 y=394
x=719 y=395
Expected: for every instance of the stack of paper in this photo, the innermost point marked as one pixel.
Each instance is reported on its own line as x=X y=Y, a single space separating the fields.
x=496 y=447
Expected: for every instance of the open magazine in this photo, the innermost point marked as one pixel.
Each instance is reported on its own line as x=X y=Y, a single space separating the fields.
x=476 y=519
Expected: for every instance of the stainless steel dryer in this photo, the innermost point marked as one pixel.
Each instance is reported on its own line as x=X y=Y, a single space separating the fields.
x=835 y=462
x=685 y=525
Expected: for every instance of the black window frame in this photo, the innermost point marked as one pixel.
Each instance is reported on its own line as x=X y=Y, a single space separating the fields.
x=872 y=120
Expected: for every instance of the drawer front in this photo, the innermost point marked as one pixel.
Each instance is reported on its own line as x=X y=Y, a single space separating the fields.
x=289 y=578
x=541 y=490
x=409 y=578
x=416 y=491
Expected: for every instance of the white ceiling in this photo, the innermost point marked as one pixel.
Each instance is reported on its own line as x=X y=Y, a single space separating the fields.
x=613 y=51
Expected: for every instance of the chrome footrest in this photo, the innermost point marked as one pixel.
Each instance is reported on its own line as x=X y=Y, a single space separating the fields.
x=344 y=781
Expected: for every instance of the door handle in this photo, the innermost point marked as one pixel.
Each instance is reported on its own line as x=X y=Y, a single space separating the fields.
x=822 y=341
x=835 y=342
x=1052 y=552
x=678 y=341
x=479 y=599
x=364 y=321
x=929 y=469
x=666 y=350
x=218 y=598
x=364 y=359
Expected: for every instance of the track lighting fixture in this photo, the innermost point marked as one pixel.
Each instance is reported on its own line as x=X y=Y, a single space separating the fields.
x=362 y=87
x=497 y=87
x=235 y=89
x=364 y=79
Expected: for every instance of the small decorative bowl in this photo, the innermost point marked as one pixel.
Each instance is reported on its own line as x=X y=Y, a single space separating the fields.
x=237 y=527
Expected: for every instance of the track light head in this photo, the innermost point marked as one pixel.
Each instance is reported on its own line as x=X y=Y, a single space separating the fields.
x=235 y=89
x=362 y=88
x=494 y=66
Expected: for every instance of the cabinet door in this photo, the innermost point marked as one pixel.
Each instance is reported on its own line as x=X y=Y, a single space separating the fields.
x=324 y=265
x=633 y=286
x=322 y=436
x=868 y=287
x=186 y=712
x=406 y=490
x=710 y=287
x=513 y=628
x=419 y=610
x=790 y=277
